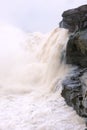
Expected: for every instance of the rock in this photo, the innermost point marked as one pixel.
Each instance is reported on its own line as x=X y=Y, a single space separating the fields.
x=76 y=50
x=75 y=84
x=74 y=19
x=75 y=91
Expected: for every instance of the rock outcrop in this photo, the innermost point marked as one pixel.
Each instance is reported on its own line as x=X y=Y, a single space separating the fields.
x=76 y=51
x=75 y=90
x=75 y=84
x=75 y=19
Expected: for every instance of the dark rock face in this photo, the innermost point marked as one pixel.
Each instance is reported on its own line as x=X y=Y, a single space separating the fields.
x=75 y=84
x=76 y=51
x=75 y=19
x=75 y=91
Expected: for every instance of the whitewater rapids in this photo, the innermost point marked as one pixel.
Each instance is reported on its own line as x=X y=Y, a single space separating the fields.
x=32 y=67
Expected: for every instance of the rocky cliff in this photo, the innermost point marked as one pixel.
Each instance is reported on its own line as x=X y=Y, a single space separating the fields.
x=75 y=84
x=75 y=19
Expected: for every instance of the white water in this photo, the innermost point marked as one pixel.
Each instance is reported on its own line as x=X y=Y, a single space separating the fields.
x=31 y=71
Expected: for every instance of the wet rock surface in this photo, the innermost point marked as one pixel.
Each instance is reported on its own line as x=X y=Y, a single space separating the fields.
x=75 y=90
x=76 y=51
x=75 y=84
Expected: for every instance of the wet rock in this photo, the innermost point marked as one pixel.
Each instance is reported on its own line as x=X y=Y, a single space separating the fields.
x=75 y=91
x=74 y=19
x=75 y=84
x=76 y=50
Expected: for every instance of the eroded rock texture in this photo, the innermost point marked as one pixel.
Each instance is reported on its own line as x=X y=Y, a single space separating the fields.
x=75 y=90
x=75 y=84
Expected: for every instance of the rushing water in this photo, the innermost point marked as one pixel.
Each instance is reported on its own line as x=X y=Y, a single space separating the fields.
x=32 y=67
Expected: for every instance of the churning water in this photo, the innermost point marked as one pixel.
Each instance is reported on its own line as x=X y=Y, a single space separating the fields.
x=32 y=67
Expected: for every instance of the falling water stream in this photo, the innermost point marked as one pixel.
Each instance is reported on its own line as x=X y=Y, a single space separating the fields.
x=32 y=67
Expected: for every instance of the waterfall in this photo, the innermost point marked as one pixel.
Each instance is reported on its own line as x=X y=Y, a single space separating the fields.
x=32 y=67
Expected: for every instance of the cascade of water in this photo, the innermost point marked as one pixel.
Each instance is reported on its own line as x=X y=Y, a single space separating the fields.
x=31 y=71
